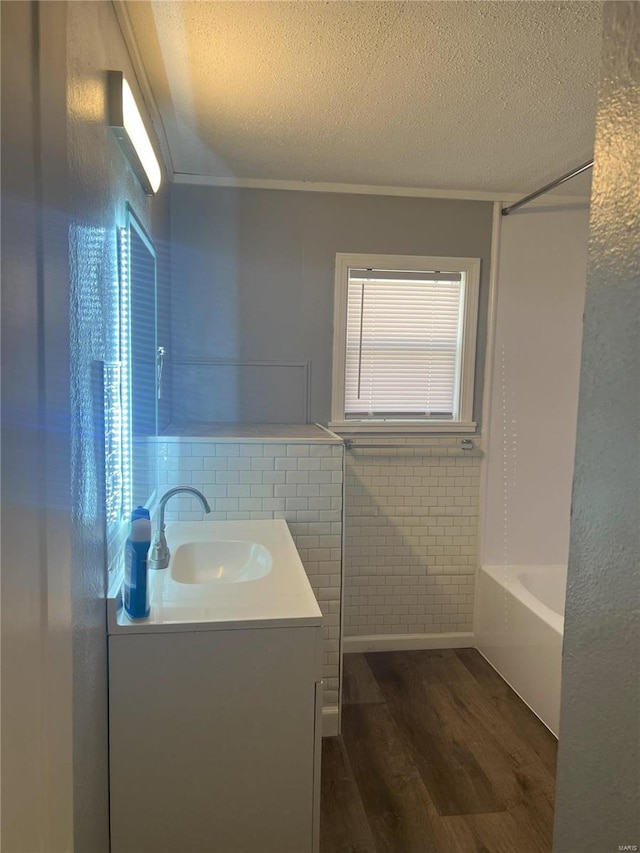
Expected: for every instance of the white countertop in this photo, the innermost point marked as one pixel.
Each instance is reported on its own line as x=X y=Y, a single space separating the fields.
x=279 y=599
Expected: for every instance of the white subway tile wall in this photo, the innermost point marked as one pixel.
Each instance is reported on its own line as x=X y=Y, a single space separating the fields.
x=411 y=534
x=300 y=482
x=410 y=516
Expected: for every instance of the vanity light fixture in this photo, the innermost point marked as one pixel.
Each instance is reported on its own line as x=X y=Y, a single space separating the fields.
x=128 y=126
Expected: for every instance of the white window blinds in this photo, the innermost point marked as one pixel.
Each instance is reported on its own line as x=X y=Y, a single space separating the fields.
x=403 y=344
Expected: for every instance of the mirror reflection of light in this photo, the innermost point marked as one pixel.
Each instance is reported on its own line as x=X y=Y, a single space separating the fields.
x=93 y=278
x=124 y=334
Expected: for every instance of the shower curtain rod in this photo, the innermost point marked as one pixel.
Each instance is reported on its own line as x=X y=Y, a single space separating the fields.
x=572 y=174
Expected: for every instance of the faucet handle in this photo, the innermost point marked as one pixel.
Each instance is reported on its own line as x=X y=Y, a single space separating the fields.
x=159 y=552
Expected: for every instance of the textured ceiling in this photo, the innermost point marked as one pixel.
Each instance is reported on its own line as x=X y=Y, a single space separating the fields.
x=474 y=96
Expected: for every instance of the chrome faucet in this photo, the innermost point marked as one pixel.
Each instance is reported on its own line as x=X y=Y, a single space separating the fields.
x=159 y=553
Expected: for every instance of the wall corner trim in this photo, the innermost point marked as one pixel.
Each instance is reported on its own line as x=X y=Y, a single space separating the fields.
x=330 y=721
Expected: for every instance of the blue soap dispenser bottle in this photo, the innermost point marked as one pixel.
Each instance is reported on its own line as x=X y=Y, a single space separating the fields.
x=136 y=576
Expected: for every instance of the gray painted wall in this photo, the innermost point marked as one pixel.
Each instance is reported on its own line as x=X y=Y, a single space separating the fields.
x=598 y=793
x=65 y=183
x=101 y=182
x=252 y=286
x=36 y=607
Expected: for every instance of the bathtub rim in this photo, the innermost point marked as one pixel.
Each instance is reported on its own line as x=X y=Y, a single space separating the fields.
x=515 y=587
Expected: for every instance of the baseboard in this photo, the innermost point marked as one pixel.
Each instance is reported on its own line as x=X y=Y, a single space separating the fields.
x=406 y=642
x=330 y=721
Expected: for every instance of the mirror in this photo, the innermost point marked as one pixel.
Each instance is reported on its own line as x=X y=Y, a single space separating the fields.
x=131 y=387
x=142 y=359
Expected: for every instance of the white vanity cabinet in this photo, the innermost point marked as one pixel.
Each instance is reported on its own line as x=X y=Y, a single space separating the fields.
x=215 y=729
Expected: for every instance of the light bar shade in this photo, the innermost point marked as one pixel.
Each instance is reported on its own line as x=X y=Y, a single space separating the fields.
x=128 y=126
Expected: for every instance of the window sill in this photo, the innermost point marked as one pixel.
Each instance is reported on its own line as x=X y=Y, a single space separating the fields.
x=397 y=428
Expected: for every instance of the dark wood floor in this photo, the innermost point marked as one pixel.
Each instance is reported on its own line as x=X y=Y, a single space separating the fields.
x=437 y=754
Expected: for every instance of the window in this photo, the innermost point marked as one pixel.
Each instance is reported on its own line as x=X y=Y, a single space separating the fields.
x=404 y=343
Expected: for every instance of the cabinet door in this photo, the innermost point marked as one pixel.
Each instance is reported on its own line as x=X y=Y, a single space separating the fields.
x=212 y=741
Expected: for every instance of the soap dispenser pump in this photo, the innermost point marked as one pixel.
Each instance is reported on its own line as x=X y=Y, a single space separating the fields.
x=136 y=578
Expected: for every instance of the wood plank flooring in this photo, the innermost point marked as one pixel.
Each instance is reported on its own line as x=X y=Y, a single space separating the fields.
x=437 y=755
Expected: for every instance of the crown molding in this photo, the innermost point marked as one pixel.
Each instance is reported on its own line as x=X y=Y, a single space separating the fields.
x=370 y=189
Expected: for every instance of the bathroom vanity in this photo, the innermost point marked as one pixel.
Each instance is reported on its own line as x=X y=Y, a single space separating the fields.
x=216 y=698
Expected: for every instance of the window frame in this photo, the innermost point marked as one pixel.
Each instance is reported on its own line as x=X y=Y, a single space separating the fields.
x=470 y=267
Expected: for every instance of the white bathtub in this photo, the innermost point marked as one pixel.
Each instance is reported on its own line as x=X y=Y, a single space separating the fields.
x=519 y=627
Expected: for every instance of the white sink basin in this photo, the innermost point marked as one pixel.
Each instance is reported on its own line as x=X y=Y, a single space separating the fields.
x=224 y=574
x=220 y=561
